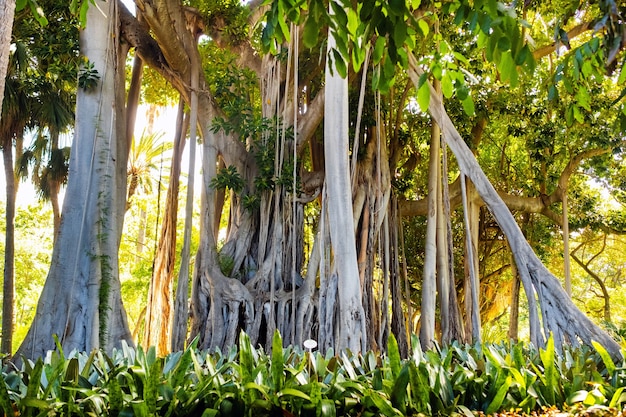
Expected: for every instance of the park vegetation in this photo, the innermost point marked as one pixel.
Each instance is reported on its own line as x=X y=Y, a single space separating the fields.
x=432 y=191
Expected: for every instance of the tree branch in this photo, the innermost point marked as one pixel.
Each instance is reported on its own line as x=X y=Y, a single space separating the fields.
x=572 y=33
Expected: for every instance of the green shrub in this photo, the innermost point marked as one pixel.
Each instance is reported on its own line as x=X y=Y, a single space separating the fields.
x=246 y=381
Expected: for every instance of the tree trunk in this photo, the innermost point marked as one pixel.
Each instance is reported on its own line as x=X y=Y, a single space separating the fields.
x=8 y=295
x=559 y=316
x=181 y=306
x=159 y=307
x=429 y=277
x=81 y=301
x=514 y=316
x=566 y=256
x=350 y=324
x=471 y=213
x=7 y=11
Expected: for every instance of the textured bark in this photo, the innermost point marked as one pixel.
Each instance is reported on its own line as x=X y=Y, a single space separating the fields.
x=429 y=276
x=8 y=287
x=80 y=301
x=350 y=324
x=159 y=307
x=7 y=11
x=559 y=316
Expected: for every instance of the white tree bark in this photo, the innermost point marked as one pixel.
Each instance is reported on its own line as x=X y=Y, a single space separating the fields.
x=429 y=277
x=81 y=301
x=350 y=327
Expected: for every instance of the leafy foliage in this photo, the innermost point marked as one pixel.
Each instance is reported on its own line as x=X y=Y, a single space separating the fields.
x=246 y=381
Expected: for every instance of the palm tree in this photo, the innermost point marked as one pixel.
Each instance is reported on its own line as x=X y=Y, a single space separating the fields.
x=15 y=117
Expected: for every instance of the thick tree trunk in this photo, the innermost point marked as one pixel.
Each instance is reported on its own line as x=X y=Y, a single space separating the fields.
x=81 y=301
x=559 y=316
x=350 y=324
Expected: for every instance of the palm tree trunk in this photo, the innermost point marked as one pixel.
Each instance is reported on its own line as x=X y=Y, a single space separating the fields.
x=7 y=11
x=9 y=251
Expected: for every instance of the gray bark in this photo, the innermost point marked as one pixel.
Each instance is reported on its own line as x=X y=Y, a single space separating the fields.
x=559 y=316
x=81 y=301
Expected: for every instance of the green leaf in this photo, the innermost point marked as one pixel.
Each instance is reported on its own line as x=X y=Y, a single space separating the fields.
x=311 y=32
x=393 y=351
x=618 y=398
x=423 y=93
x=447 y=87
x=20 y=4
x=277 y=366
x=353 y=21
x=399 y=391
x=339 y=64
x=468 y=106
x=606 y=357
x=379 y=49
x=294 y=393
x=497 y=400
x=504 y=44
x=397 y=7
x=423 y=27
x=399 y=33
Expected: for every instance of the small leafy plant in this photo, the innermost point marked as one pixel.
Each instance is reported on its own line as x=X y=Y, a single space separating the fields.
x=247 y=381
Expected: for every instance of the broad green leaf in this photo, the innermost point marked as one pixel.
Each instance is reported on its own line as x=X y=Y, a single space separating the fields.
x=294 y=393
x=468 y=106
x=606 y=357
x=496 y=402
x=447 y=88
x=379 y=49
x=504 y=44
x=311 y=32
x=399 y=32
x=277 y=366
x=353 y=21
x=619 y=397
x=399 y=391
x=339 y=64
x=423 y=94
x=393 y=351
x=397 y=7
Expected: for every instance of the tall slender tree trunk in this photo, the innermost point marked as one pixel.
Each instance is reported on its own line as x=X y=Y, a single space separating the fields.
x=8 y=295
x=159 y=307
x=81 y=301
x=514 y=315
x=429 y=277
x=55 y=186
x=181 y=304
x=566 y=256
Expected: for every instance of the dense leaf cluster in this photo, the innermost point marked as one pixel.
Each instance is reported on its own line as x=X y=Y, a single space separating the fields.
x=289 y=381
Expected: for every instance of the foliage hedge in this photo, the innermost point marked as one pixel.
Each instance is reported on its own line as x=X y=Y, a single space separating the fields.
x=246 y=381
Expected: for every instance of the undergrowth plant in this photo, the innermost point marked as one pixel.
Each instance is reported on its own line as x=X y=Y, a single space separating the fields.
x=247 y=381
